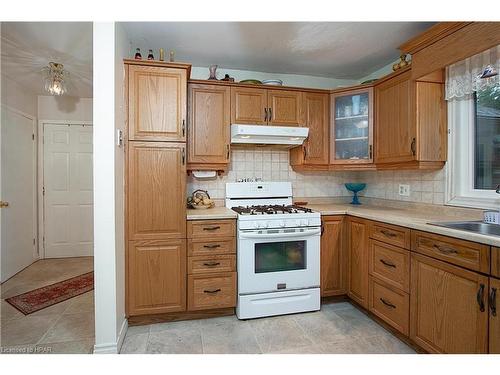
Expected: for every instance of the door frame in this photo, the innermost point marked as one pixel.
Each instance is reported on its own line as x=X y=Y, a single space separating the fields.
x=40 y=181
x=36 y=254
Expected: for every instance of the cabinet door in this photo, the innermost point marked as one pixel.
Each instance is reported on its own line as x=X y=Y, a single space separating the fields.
x=248 y=106
x=358 y=261
x=494 y=303
x=156 y=190
x=352 y=127
x=157 y=103
x=446 y=314
x=333 y=256
x=284 y=108
x=316 y=147
x=156 y=276
x=395 y=121
x=209 y=124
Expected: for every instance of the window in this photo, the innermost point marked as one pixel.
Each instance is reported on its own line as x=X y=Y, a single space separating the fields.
x=473 y=168
x=487 y=139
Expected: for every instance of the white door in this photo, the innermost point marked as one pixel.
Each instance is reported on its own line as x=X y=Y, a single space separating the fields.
x=18 y=178
x=68 y=195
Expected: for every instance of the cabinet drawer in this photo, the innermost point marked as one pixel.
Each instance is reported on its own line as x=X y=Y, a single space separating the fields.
x=216 y=291
x=216 y=263
x=211 y=247
x=467 y=254
x=390 y=305
x=390 y=264
x=391 y=234
x=211 y=228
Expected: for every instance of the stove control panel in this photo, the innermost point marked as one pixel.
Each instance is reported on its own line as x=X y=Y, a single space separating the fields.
x=279 y=223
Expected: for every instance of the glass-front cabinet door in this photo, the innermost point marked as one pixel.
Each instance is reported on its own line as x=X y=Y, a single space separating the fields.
x=352 y=127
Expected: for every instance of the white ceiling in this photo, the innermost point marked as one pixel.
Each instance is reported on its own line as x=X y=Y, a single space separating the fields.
x=350 y=50
x=27 y=47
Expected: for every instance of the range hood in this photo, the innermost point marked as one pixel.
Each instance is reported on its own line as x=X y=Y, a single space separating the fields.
x=269 y=135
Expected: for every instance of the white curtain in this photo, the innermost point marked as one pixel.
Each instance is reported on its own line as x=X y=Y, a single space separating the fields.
x=475 y=73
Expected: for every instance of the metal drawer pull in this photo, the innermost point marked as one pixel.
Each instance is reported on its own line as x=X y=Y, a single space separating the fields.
x=211 y=228
x=212 y=291
x=388 y=264
x=388 y=234
x=445 y=250
x=480 y=297
x=265 y=117
x=493 y=301
x=211 y=246
x=211 y=264
x=387 y=303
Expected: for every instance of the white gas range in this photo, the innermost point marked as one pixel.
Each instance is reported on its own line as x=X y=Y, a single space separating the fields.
x=278 y=250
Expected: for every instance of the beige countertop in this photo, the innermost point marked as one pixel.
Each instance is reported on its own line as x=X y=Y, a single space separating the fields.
x=416 y=217
x=411 y=218
x=211 y=213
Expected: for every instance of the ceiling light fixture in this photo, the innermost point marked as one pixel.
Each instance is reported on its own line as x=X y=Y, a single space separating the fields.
x=55 y=79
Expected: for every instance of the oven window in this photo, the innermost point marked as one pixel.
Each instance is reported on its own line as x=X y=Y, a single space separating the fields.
x=280 y=256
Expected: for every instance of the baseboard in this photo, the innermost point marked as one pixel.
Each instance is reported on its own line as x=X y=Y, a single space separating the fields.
x=113 y=348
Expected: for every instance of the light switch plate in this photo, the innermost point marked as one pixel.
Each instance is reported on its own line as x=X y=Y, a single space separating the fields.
x=404 y=190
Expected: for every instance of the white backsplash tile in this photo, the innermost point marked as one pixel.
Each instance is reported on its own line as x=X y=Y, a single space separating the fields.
x=274 y=165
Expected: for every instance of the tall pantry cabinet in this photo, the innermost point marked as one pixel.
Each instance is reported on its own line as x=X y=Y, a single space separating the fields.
x=155 y=186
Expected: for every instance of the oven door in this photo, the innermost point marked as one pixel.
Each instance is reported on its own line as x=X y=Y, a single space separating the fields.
x=272 y=260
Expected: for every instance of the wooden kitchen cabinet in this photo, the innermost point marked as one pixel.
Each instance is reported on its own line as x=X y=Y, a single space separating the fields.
x=333 y=256
x=209 y=128
x=358 y=230
x=352 y=126
x=316 y=148
x=449 y=307
x=494 y=304
x=157 y=102
x=284 y=107
x=410 y=121
x=156 y=276
x=156 y=190
x=248 y=106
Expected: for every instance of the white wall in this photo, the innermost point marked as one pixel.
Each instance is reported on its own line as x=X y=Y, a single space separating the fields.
x=288 y=79
x=110 y=323
x=121 y=51
x=17 y=97
x=383 y=71
x=64 y=108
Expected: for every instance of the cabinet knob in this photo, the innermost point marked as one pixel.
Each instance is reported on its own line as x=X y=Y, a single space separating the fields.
x=4 y=204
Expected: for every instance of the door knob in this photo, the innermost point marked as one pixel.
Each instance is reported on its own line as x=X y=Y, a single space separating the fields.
x=4 y=204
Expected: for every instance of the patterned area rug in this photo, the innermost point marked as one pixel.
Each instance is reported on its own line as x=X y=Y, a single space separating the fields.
x=49 y=295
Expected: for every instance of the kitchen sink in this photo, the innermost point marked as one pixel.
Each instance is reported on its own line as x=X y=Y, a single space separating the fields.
x=472 y=226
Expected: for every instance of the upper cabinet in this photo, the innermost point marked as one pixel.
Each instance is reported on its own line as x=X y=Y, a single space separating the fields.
x=157 y=103
x=410 y=121
x=209 y=128
x=315 y=150
x=352 y=127
x=284 y=108
x=260 y=106
x=248 y=106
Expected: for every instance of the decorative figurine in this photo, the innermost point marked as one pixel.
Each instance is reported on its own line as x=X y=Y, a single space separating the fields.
x=138 y=55
x=171 y=55
x=150 y=55
x=227 y=78
x=213 y=72
x=162 y=54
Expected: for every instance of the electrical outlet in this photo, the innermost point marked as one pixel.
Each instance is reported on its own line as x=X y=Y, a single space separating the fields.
x=404 y=190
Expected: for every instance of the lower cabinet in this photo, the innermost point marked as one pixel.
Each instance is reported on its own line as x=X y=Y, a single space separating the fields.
x=449 y=312
x=156 y=276
x=494 y=304
x=333 y=256
x=358 y=260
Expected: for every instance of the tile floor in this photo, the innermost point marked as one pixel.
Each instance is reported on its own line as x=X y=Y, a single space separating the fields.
x=67 y=327
x=337 y=328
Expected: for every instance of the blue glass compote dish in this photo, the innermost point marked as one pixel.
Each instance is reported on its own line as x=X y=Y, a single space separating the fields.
x=355 y=187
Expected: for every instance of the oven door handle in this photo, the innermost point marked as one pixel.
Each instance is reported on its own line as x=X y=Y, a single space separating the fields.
x=305 y=233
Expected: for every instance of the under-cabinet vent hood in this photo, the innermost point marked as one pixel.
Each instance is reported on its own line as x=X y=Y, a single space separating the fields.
x=269 y=135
